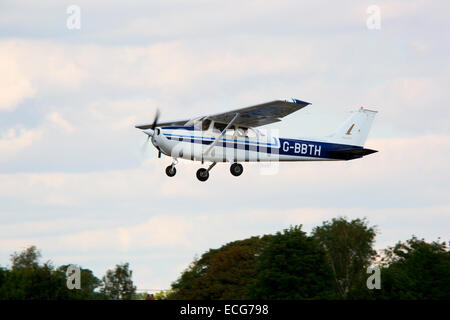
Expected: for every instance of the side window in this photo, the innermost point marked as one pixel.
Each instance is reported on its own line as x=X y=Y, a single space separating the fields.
x=241 y=132
x=205 y=124
x=219 y=126
x=230 y=132
x=197 y=123
x=251 y=133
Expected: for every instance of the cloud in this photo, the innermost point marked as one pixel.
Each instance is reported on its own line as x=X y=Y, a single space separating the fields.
x=29 y=67
x=59 y=121
x=15 y=86
x=16 y=139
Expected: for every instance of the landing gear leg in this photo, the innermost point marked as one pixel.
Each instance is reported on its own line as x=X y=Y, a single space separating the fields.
x=171 y=170
x=236 y=169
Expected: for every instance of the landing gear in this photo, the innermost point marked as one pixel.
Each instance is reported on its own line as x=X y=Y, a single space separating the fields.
x=203 y=174
x=171 y=171
x=236 y=169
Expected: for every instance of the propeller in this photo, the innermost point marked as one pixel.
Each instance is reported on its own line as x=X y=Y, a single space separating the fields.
x=156 y=120
x=149 y=135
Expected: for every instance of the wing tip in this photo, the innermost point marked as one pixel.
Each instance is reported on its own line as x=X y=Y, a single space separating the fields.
x=298 y=101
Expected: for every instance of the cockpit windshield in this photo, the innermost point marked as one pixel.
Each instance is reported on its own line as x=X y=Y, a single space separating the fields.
x=204 y=124
x=200 y=123
x=192 y=122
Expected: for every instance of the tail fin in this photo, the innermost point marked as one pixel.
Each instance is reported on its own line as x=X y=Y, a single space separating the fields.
x=355 y=129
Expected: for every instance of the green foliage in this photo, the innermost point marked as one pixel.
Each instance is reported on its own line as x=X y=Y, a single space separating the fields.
x=416 y=269
x=117 y=283
x=89 y=284
x=163 y=295
x=349 y=251
x=27 y=259
x=292 y=266
x=224 y=273
x=140 y=296
x=33 y=283
x=331 y=263
x=29 y=280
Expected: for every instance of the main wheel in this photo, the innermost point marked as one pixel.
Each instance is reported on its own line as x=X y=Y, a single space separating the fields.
x=171 y=171
x=202 y=174
x=236 y=169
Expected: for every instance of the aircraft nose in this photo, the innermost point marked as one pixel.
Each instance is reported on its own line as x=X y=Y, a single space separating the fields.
x=149 y=132
x=155 y=139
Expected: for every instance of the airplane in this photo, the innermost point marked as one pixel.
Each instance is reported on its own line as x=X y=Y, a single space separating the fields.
x=233 y=137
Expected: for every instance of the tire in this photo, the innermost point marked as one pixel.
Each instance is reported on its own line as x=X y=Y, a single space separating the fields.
x=171 y=171
x=236 y=169
x=202 y=174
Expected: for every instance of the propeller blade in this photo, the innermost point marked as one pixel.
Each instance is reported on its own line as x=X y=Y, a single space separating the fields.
x=155 y=122
x=150 y=133
x=144 y=146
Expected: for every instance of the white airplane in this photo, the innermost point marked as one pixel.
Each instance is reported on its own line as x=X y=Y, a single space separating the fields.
x=232 y=137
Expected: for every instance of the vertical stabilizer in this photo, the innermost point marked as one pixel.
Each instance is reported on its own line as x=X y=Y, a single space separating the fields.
x=355 y=129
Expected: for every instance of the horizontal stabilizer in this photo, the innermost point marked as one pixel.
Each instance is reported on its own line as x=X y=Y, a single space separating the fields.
x=350 y=154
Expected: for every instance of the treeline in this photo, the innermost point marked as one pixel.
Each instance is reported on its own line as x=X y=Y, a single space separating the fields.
x=27 y=279
x=330 y=263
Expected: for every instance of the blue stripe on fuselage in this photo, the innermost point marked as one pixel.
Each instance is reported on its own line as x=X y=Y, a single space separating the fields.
x=291 y=147
x=315 y=149
x=190 y=128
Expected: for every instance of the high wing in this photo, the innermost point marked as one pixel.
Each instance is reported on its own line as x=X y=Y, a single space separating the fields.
x=260 y=114
x=162 y=124
x=253 y=116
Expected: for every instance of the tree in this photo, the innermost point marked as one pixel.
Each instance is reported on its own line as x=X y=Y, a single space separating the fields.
x=224 y=273
x=140 y=296
x=89 y=284
x=416 y=269
x=292 y=266
x=349 y=251
x=28 y=280
x=163 y=295
x=28 y=258
x=117 y=283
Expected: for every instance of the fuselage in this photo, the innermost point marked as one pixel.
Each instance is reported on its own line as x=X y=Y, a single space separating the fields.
x=188 y=142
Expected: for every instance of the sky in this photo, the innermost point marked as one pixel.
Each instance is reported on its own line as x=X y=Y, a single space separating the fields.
x=76 y=182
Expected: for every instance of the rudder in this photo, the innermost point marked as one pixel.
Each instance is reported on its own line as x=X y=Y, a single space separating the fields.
x=355 y=129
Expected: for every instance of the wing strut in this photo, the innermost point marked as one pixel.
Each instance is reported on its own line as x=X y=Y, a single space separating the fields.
x=221 y=135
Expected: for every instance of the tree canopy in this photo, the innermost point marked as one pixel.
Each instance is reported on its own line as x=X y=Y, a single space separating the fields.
x=416 y=269
x=348 y=247
x=292 y=266
x=224 y=273
x=117 y=283
x=29 y=280
x=329 y=263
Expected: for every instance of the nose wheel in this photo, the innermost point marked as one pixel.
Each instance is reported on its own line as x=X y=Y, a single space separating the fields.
x=171 y=171
x=236 y=169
